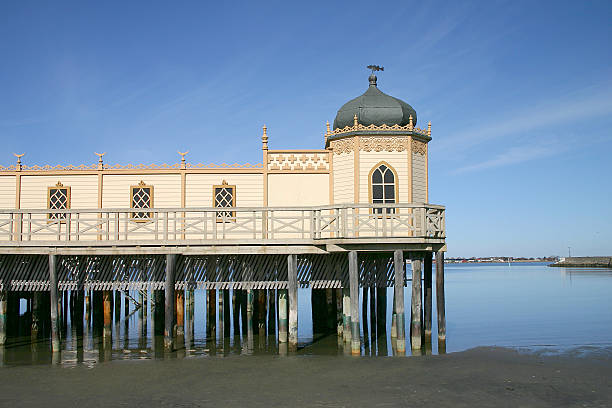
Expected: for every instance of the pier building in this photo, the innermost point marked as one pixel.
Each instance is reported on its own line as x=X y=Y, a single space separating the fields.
x=345 y=217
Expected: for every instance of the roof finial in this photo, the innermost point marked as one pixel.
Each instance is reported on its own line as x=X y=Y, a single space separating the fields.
x=410 y=124
x=100 y=162
x=327 y=131
x=264 y=138
x=183 y=154
x=18 y=156
x=372 y=77
x=355 y=122
x=429 y=129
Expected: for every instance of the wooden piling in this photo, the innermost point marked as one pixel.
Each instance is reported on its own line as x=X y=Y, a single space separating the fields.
x=339 y=321
x=261 y=313
x=282 y=316
x=346 y=314
x=236 y=312
x=440 y=298
x=220 y=327
x=3 y=310
x=427 y=292
x=354 y=293
x=88 y=306
x=169 y=307
x=211 y=315
x=54 y=298
x=180 y=312
x=330 y=311
x=381 y=311
x=117 y=305
x=226 y=313
x=415 y=310
x=373 y=325
x=400 y=276
x=106 y=299
x=36 y=316
x=250 y=298
x=292 y=285
x=364 y=317
x=271 y=312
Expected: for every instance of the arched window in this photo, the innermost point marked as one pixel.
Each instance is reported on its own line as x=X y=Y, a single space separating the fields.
x=383 y=186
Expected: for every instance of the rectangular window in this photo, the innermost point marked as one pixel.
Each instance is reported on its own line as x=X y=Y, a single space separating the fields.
x=58 y=198
x=141 y=197
x=224 y=196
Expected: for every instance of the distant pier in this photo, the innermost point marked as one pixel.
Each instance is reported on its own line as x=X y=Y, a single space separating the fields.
x=584 y=262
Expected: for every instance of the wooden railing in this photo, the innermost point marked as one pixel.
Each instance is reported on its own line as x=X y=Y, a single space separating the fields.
x=211 y=225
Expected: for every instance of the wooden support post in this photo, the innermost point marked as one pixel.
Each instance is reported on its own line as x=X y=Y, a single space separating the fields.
x=212 y=312
x=250 y=298
x=330 y=322
x=220 y=327
x=339 y=322
x=126 y=303
x=54 y=298
x=354 y=292
x=236 y=312
x=440 y=299
x=372 y=313
x=36 y=316
x=346 y=314
x=427 y=291
x=400 y=278
x=261 y=313
x=117 y=306
x=271 y=312
x=169 y=307
x=88 y=306
x=415 y=310
x=282 y=316
x=3 y=309
x=226 y=313
x=381 y=312
x=107 y=329
x=292 y=285
x=364 y=316
x=180 y=312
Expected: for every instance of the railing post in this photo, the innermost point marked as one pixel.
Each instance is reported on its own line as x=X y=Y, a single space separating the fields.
x=343 y=222
x=68 y=225
x=423 y=222
x=117 y=226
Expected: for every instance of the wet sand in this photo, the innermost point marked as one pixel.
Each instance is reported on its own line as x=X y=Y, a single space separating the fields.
x=481 y=377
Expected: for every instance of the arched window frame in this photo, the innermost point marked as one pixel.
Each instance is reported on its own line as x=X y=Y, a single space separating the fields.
x=395 y=185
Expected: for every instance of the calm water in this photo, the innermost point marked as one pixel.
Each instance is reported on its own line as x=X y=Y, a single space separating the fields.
x=526 y=305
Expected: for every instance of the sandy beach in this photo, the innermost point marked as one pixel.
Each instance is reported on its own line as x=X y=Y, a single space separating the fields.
x=483 y=377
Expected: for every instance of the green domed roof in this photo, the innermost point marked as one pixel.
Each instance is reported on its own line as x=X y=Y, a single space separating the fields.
x=375 y=107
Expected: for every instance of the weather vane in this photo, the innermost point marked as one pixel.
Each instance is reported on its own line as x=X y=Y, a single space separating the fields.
x=375 y=68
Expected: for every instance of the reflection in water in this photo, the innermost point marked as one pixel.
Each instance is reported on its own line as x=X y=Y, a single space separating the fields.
x=486 y=305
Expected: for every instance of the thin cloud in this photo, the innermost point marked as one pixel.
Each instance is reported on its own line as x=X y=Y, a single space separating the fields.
x=569 y=111
x=512 y=156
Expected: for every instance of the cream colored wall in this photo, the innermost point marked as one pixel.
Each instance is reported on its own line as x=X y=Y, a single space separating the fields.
x=199 y=189
x=83 y=191
x=7 y=192
x=116 y=190
x=344 y=177
x=397 y=160
x=418 y=178
x=298 y=189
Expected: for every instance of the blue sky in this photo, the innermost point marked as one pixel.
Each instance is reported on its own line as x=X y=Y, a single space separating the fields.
x=519 y=95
